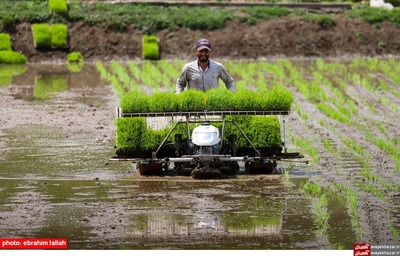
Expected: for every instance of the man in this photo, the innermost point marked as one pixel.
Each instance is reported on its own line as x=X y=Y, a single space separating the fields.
x=203 y=73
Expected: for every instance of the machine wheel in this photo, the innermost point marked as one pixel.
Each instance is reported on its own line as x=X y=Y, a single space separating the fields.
x=150 y=168
x=261 y=167
x=206 y=173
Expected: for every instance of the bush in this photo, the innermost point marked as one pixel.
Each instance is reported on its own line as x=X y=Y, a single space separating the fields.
x=5 y=42
x=150 y=49
x=58 y=6
x=59 y=35
x=11 y=57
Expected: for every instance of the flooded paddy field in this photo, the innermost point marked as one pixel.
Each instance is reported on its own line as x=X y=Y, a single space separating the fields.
x=57 y=134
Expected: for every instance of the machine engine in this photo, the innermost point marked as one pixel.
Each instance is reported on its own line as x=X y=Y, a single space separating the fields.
x=206 y=139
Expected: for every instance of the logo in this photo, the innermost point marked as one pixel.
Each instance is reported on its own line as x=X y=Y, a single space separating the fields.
x=362 y=249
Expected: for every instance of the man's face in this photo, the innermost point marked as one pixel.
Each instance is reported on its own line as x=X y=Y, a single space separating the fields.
x=203 y=55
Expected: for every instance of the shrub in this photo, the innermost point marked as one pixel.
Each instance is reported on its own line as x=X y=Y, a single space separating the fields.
x=5 y=42
x=11 y=57
x=150 y=48
x=74 y=57
x=58 y=6
x=41 y=35
x=59 y=35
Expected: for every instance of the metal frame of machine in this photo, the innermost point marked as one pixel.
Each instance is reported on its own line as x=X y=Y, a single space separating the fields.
x=209 y=161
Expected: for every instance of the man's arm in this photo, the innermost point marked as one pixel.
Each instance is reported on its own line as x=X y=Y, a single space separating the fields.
x=228 y=80
x=181 y=82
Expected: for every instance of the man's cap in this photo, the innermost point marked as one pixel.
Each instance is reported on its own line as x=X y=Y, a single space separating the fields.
x=203 y=44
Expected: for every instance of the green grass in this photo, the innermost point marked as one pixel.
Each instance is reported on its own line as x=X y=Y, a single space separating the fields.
x=120 y=16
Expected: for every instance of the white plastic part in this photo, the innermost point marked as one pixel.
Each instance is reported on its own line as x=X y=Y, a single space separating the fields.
x=205 y=135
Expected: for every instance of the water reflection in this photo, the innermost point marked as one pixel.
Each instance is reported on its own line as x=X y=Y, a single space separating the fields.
x=44 y=81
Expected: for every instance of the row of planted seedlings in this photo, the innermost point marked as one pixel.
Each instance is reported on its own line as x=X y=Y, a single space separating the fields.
x=332 y=102
x=334 y=81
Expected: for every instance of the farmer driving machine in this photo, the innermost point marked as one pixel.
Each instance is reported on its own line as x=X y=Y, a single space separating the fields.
x=203 y=143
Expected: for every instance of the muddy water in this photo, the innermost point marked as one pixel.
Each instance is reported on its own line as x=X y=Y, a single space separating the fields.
x=57 y=134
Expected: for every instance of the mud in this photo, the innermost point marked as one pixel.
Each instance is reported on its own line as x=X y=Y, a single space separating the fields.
x=290 y=36
x=56 y=181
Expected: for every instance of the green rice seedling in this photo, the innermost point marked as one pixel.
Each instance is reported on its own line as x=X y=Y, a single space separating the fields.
x=277 y=98
x=163 y=102
x=386 y=102
x=312 y=189
x=150 y=48
x=321 y=213
x=339 y=246
x=331 y=112
x=131 y=132
x=135 y=102
x=220 y=99
x=352 y=199
x=58 y=6
x=307 y=147
x=11 y=57
x=102 y=70
x=374 y=190
x=75 y=62
x=302 y=114
x=41 y=35
x=265 y=132
x=59 y=35
x=5 y=42
x=369 y=175
x=262 y=131
x=395 y=231
x=151 y=75
x=75 y=57
x=191 y=100
x=247 y=100
x=134 y=70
